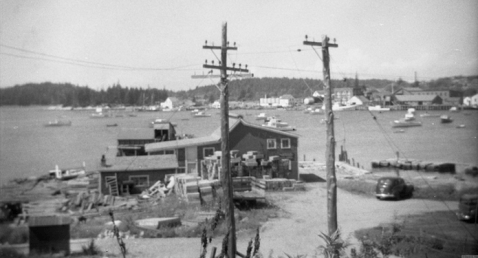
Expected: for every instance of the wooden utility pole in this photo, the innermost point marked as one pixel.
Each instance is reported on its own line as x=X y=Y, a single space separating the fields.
x=226 y=178
x=330 y=145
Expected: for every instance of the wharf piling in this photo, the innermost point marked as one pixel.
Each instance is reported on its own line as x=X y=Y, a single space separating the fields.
x=409 y=164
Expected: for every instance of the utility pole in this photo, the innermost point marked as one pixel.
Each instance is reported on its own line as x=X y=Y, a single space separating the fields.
x=226 y=178
x=330 y=145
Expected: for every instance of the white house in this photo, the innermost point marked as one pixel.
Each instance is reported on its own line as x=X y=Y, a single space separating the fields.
x=170 y=103
x=474 y=100
x=282 y=101
x=467 y=101
x=216 y=104
x=358 y=100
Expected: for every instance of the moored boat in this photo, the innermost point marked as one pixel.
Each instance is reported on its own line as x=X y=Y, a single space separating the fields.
x=67 y=174
x=445 y=119
x=378 y=108
x=405 y=123
x=426 y=114
x=201 y=114
x=261 y=116
x=278 y=124
x=57 y=123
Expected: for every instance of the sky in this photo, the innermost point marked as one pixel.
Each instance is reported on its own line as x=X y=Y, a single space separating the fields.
x=158 y=43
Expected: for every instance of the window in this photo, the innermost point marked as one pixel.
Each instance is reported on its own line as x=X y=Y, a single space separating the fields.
x=285 y=143
x=142 y=181
x=271 y=144
x=208 y=151
x=169 y=152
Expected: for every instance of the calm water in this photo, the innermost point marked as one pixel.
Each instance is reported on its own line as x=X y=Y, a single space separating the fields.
x=28 y=148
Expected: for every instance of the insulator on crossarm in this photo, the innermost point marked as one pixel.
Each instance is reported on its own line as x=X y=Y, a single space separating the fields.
x=205 y=42
x=305 y=37
x=234 y=43
x=233 y=64
x=205 y=61
x=246 y=66
x=212 y=62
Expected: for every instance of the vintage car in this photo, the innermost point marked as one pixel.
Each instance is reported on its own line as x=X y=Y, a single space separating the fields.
x=393 y=187
x=468 y=207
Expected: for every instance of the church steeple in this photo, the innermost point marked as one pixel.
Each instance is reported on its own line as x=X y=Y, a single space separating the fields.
x=356 y=85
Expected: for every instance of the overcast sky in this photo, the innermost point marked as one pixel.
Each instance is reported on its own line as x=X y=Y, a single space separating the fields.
x=159 y=43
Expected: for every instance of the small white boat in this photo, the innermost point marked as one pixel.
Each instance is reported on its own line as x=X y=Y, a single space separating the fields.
x=405 y=123
x=57 y=123
x=446 y=119
x=278 y=124
x=67 y=174
x=429 y=115
x=201 y=114
x=261 y=116
x=160 y=121
x=454 y=109
x=409 y=117
x=99 y=115
x=316 y=111
x=378 y=108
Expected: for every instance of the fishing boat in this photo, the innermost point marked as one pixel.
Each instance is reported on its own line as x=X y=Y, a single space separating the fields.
x=378 y=108
x=57 y=123
x=261 y=116
x=278 y=124
x=201 y=114
x=160 y=121
x=315 y=111
x=99 y=115
x=67 y=174
x=405 y=123
x=426 y=114
x=446 y=119
x=111 y=125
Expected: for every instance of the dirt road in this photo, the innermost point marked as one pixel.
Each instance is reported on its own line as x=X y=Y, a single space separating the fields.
x=303 y=216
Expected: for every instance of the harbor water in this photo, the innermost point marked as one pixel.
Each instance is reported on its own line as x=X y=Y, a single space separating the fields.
x=28 y=148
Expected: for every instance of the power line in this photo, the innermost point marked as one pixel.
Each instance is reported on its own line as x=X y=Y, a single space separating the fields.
x=84 y=63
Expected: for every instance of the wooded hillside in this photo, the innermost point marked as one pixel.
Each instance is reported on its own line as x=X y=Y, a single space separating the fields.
x=251 y=89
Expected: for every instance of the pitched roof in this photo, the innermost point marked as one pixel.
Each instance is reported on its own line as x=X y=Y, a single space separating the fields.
x=141 y=163
x=411 y=89
x=215 y=137
x=416 y=97
x=287 y=96
x=136 y=134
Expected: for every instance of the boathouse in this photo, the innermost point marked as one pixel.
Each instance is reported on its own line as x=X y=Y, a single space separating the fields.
x=131 y=141
x=244 y=138
x=417 y=100
x=49 y=234
x=131 y=175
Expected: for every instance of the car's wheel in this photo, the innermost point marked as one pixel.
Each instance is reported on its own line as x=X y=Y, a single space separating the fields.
x=396 y=196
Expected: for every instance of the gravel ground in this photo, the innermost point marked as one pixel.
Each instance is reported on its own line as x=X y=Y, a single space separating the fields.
x=295 y=231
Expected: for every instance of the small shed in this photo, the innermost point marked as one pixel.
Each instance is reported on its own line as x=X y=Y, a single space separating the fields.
x=49 y=234
x=134 y=174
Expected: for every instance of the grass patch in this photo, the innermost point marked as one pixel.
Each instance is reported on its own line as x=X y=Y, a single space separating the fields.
x=13 y=235
x=442 y=192
x=437 y=234
x=357 y=186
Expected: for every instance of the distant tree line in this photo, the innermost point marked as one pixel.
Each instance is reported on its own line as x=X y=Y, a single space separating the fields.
x=67 y=94
x=250 y=89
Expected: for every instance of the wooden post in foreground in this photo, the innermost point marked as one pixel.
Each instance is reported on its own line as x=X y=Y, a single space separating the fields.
x=330 y=145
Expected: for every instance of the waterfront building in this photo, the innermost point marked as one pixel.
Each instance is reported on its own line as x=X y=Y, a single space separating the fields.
x=243 y=137
x=417 y=100
x=133 y=175
x=131 y=141
x=170 y=103
x=286 y=100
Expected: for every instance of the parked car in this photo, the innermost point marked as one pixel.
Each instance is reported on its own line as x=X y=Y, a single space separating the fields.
x=393 y=187
x=468 y=207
